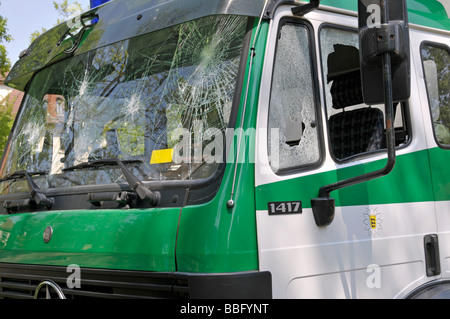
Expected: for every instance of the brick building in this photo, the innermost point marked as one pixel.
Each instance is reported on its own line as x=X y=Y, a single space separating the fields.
x=9 y=94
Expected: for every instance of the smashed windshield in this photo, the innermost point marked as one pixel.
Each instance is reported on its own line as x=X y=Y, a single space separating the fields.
x=160 y=102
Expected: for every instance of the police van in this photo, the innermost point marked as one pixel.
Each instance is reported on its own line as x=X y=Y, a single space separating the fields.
x=231 y=149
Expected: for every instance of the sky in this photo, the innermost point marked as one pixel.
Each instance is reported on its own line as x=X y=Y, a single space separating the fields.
x=25 y=17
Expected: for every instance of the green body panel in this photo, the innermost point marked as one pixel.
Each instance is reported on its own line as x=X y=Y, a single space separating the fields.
x=118 y=239
x=410 y=181
x=212 y=237
x=428 y=13
x=440 y=169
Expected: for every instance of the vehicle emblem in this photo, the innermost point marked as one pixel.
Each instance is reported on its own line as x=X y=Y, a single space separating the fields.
x=48 y=284
x=373 y=222
x=48 y=232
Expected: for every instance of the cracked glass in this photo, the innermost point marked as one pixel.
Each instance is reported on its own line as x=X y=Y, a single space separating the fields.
x=293 y=130
x=160 y=101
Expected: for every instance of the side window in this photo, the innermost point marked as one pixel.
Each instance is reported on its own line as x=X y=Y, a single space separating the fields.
x=436 y=67
x=293 y=128
x=354 y=127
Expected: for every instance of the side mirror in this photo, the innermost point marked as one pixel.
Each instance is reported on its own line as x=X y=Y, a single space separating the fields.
x=383 y=28
x=385 y=75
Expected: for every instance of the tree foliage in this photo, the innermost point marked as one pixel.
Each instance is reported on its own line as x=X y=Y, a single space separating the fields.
x=65 y=11
x=5 y=63
x=6 y=122
x=6 y=117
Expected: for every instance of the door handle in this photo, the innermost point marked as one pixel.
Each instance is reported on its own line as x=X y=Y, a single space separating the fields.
x=432 y=261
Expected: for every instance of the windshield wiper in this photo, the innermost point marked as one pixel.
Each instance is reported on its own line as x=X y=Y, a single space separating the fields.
x=20 y=174
x=98 y=163
x=36 y=193
x=141 y=190
x=135 y=184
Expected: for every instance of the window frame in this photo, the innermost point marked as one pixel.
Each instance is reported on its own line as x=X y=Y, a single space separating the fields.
x=315 y=90
x=404 y=105
x=446 y=48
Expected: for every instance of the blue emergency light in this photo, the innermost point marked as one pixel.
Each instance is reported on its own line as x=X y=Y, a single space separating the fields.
x=96 y=3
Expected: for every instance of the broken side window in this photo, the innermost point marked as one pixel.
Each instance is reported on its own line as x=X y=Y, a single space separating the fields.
x=354 y=127
x=293 y=130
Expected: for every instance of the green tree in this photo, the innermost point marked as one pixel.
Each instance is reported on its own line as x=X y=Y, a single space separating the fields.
x=65 y=11
x=6 y=122
x=5 y=63
x=6 y=118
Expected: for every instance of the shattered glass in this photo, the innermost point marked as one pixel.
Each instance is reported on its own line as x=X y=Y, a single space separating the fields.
x=293 y=131
x=330 y=37
x=163 y=98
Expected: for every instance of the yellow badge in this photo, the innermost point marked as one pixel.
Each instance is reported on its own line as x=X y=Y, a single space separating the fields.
x=373 y=222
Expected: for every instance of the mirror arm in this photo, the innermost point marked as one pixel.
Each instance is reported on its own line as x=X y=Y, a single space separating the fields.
x=324 y=206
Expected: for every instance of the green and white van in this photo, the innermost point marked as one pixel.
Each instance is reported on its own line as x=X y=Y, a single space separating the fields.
x=175 y=149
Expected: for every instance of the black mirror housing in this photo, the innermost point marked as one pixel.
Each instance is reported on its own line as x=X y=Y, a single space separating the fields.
x=384 y=30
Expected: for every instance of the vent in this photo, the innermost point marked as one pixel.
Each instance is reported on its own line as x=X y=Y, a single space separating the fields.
x=21 y=281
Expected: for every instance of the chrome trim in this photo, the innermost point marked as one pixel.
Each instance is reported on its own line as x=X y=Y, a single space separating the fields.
x=47 y=284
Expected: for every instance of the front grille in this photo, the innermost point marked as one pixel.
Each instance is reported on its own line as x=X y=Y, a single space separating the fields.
x=20 y=281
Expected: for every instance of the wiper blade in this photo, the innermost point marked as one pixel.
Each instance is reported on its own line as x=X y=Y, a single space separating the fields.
x=98 y=163
x=20 y=174
x=135 y=184
x=35 y=192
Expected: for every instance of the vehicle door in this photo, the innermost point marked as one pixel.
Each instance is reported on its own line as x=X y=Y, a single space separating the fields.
x=431 y=55
x=313 y=129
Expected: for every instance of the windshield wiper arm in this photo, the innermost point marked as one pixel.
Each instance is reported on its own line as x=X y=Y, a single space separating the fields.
x=37 y=194
x=141 y=190
x=135 y=184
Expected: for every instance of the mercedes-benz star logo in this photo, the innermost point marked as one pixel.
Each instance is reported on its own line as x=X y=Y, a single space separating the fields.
x=48 y=284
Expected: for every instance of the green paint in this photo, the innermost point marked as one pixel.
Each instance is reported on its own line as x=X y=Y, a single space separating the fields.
x=410 y=181
x=440 y=170
x=120 y=239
